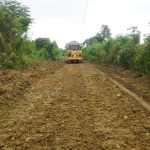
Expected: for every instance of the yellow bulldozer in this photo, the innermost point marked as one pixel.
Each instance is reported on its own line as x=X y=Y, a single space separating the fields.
x=73 y=52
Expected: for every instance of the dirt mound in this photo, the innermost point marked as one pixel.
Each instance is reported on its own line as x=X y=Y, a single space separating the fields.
x=40 y=67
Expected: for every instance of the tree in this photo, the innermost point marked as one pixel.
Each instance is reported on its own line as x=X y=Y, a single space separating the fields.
x=15 y=8
x=42 y=43
x=135 y=34
x=50 y=49
x=104 y=33
x=15 y=21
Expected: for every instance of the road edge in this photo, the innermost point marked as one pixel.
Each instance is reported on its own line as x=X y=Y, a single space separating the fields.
x=132 y=94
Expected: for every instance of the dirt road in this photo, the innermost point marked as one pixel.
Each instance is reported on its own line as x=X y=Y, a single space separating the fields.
x=76 y=107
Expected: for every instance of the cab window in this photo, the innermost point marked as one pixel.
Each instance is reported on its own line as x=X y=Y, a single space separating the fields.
x=74 y=47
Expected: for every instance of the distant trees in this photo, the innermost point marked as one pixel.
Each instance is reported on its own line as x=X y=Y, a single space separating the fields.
x=92 y=44
x=102 y=35
x=134 y=34
x=48 y=49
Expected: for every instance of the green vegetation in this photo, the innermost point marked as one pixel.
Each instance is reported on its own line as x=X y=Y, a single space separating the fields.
x=15 y=48
x=124 y=50
x=45 y=49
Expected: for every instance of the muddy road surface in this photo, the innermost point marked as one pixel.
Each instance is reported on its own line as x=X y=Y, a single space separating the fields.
x=73 y=107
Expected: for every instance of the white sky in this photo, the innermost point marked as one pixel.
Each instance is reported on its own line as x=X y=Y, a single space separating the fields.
x=62 y=20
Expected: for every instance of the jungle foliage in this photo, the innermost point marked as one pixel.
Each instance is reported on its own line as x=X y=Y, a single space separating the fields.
x=15 y=48
x=124 y=50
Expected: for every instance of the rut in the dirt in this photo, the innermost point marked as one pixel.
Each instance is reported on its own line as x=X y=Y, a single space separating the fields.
x=75 y=107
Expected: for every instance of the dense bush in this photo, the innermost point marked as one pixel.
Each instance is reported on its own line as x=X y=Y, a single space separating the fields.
x=91 y=52
x=121 y=50
x=15 y=48
x=142 y=59
x=14 y=23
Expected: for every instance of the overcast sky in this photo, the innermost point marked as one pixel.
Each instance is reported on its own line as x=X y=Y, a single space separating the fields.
x=63 y=20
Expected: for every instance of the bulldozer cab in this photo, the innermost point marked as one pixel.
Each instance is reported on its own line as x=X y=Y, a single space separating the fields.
x=74 y=52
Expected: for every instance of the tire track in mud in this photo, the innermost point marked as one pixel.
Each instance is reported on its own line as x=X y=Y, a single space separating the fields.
x=76 y=108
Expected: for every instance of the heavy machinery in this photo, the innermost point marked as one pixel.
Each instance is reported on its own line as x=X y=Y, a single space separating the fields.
x=74 y=52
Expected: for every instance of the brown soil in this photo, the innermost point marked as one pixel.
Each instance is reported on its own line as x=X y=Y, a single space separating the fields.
x=56 y=106
x=139 y=84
